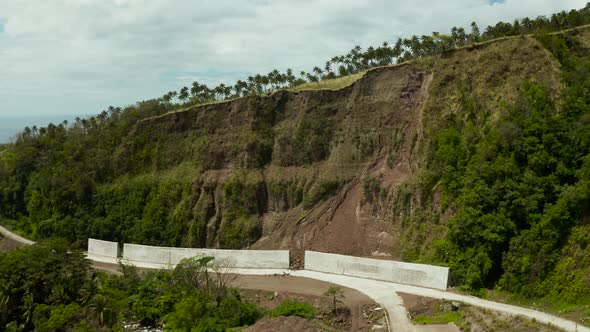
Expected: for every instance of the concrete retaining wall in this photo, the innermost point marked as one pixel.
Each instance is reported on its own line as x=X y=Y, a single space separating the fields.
x=103 y=248
x=163 y=257
x=404 y=273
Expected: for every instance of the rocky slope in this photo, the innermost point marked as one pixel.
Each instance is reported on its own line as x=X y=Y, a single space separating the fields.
x=327 y=170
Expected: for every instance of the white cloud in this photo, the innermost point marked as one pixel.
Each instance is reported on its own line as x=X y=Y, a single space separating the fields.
x=93 y=53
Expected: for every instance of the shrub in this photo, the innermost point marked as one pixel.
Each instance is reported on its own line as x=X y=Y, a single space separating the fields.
x=234 y=312
x=371 y=188
x=294 y=308
x=320 y=192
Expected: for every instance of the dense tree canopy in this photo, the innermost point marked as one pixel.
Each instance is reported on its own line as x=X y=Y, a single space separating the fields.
x=50 y=287
x=520 y=188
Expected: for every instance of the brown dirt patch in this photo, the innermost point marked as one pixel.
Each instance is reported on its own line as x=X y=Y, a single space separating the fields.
x=357 y=312
x=345 y=224
x=269 y=300
x=419 y=305
x=7 y=244
x=473 y=319
x=284 y=324
x=478 y=319
x=107 y=267
x=297 y=285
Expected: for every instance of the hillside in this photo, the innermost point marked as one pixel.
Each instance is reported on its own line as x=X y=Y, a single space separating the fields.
x=476 y=159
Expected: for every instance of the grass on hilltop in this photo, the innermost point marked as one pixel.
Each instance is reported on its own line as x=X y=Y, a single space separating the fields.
x=330 y=84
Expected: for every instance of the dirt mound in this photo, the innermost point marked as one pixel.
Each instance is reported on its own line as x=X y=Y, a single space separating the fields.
x=283 y=324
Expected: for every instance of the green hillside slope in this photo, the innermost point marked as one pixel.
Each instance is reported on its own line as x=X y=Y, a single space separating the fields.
x=476 y=158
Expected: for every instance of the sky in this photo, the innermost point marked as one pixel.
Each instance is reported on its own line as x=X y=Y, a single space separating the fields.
x=65 y=58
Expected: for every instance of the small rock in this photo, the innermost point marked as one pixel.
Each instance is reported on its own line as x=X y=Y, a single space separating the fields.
x=446 y=307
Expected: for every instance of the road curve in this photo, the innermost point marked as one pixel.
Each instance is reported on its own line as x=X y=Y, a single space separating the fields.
x=382 y=292
x=8 y=234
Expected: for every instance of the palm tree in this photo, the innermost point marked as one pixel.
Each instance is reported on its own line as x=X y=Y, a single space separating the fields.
x=88 y=291
x=251 y=83
x=311 y=78
x=169 y=96
x=342 y=71
x=318 y=71
x=195 y=89
x=258 y=83
x=264 y=81
x=238 y=88
x=227 y=91
x=475 y=34
x=28 y=307
x=273 y=78
x=4 y=300
x=99 y=305
x=290 y=77
x=183 y=94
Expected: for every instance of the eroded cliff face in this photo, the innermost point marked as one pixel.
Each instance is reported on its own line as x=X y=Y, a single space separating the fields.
x=333 y=171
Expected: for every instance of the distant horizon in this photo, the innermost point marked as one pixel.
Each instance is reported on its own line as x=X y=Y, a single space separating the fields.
x=11 y=125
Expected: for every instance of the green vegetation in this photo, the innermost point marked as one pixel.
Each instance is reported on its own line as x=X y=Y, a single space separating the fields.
x=519 y=190
x=91 y=179
x=48 y=273
x=319 y=192
x=336 y=294
x=50 y=287
x=294 y=308
x=329 y=84
x=371 y=188
x=499 y=160
x=556 y=306
x=439 y=318
x=308 y=142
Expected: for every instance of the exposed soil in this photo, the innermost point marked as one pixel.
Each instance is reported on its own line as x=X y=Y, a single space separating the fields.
x=478 y=319
x=356 y=312
x=418 y=305
x=472 y=319
x=346 y=223
x=7 y=244
x=107 y=267
x=284 y=324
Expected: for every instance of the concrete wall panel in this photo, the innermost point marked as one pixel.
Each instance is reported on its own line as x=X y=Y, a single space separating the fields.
x=103 y=248
x=404 y=273
x=163 y=257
